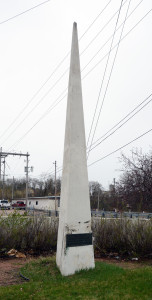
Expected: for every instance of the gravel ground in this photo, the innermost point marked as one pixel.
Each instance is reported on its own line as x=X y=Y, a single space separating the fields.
x=9 y=270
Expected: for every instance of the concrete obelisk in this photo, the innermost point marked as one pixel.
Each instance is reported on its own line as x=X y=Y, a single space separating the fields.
x=74 y=245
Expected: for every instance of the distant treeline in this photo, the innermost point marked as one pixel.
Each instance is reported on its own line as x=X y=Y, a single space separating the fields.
x=133 y=191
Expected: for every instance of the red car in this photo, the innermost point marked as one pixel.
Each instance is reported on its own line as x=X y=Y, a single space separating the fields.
x=19 y=205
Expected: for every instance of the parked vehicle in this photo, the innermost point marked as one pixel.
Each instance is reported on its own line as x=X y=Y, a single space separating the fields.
x=4 y=204
x=19 y=205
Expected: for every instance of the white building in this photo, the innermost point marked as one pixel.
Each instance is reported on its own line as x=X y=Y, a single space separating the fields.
x=41 y=203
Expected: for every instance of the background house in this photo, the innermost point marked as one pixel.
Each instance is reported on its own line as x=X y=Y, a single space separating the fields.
x=42 y=203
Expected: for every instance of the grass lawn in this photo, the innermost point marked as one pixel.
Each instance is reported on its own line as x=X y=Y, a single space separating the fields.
x=104 y=282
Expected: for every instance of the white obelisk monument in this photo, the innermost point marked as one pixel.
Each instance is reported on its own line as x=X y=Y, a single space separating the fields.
x=74 y=245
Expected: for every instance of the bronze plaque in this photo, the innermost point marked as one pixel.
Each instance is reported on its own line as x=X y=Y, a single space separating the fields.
x=81 y=239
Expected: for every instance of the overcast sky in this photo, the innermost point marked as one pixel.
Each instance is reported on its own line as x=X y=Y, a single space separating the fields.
x=34 y=49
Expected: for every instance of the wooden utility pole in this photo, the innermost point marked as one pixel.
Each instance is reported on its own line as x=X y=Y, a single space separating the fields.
x=1 y=169
x=55 y=189
x=98 y=197
x=26 y=170
x=3 y=194
x=4 y=155
x=13 y=188
x=0 y=163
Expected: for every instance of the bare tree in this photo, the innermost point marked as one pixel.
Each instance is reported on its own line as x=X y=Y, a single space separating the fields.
x=135 y=185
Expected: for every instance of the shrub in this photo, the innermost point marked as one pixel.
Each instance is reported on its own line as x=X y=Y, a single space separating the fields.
x=124 y=237
x=39 y=234
x=24 y=233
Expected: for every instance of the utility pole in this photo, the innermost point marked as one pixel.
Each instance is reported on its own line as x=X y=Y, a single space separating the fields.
x=4 y=155
x=27 y=178
x=26 y=170
x=114 y=183
x=13 y=189
x=98 y=197
x=114 y=190
x=0 y=162
x=1 y=169
x=55 y=189
x=3 y=179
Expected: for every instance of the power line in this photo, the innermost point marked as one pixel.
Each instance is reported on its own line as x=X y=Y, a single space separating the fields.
x=50 y=108
x=101 y=86
x=109 y=76
x=43 y=86
x=95 y=19
x=22 y=111
x=48 y=80
x=47 y=175
x=44 y=115
x=59 y=169
x=120 y=147
x=54 y=71
x=50 y=169
x=42 y=175
x=24 y=12
x=51 y=87
x=28 y=114
x=121 y=124
x=123 y=118
x=56 y=81
x=110 y=35
x=99 y=32
x=117 y=43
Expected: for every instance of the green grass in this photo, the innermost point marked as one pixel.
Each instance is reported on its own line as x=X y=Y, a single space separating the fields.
x=104 y=282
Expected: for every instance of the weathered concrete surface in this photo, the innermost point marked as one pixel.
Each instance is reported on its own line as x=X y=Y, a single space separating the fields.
x=75 y=215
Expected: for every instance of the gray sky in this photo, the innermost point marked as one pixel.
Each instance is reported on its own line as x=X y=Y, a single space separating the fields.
x=32 y=47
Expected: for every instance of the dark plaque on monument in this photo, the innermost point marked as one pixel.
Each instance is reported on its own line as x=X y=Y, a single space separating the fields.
x=81 y=239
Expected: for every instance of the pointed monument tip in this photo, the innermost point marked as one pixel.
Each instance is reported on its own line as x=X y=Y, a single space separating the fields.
x=74 y=24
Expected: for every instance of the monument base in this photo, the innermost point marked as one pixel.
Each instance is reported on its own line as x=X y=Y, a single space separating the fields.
x=75 y=259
